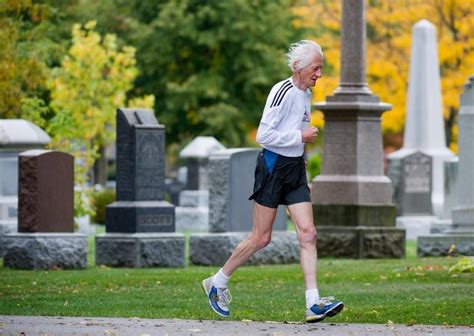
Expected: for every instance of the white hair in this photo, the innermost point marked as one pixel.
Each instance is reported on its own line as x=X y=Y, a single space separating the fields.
x=301 y=54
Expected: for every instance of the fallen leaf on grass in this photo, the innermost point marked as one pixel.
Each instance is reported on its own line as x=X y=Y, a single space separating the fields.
x=390 y=324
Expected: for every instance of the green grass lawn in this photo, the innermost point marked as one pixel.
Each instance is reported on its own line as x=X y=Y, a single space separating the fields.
x=410 y=291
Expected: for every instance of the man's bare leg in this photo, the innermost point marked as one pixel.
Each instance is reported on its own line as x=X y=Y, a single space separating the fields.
x=302 y=216
x=260 y=237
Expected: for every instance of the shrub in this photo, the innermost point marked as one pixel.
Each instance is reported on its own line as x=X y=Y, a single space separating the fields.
x=314 y=166
x=100 y=200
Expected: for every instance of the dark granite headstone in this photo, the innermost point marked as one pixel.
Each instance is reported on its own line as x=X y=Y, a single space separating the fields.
x=415 y=185
x=140 y=205
x=46 y=192
x=193 y=174
x=140 y=156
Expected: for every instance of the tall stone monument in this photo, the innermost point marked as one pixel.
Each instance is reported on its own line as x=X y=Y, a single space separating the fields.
x=140 y=224
x=351 y=198
x=46 y=215
x=424 y=124
x=16 y=136
x=463 y=213
x=193 y=213
x=231 y=179
x=461 y=236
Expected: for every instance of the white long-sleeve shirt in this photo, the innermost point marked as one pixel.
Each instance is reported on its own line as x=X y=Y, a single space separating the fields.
x=287 y=112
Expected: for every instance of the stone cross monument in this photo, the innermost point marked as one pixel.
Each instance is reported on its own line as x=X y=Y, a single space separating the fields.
x=352 y=198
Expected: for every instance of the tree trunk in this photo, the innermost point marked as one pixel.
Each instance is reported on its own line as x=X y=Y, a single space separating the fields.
x=100 y=168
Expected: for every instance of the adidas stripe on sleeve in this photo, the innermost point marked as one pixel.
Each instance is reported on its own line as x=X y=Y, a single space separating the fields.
x=281 y=123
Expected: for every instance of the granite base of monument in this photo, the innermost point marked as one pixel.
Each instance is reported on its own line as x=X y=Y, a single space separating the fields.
x=140 y=216
x=437 y=245
x=190 y=219
x=361 y=242
x=415 y=225
x=36 y=251
x=354 y=215
x=5 y=228
x=440 y=225
x=213 y=249
x=194 y=198
x=140 y=250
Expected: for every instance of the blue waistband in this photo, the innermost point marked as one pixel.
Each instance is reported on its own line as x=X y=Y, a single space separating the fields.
x=270 y=159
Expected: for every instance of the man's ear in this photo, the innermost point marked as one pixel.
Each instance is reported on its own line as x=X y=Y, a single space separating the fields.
x=295 y=65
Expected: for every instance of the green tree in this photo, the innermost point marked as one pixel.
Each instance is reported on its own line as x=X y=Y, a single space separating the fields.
x=211 y=64
x=389 y=26
x=29 y=46
x=88 y=87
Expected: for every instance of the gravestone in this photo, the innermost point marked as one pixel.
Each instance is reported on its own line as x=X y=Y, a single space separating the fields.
x=460 y=238
x=413 y=195
x=196 y=156
x=46 y=200
x=231 y=184
x=193 y=212
x=451 y=185
x=46 y=215
x=173 y=188
x=231 y=178
x=424 y=124
x=16 y=136
x=140 y=224
x=351 y=197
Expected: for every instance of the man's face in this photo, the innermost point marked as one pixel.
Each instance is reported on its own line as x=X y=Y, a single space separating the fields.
x=310 y=74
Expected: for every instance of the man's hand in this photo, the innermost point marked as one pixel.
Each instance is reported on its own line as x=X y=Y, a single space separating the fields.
x=309 y=134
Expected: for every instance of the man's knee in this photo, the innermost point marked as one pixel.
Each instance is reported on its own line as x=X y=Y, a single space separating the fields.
x=307 y=234
x=262 y=241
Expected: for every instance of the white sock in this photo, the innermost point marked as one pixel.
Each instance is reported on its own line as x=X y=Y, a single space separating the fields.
x=312 y=297
x=220 y=280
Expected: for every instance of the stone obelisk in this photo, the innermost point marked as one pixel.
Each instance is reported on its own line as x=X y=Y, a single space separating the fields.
x=424 y=124
x=352 y=198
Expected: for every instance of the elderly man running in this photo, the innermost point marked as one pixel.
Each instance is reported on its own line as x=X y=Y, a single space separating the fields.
x=280 y=178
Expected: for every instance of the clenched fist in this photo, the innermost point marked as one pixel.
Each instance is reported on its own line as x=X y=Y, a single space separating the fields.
x=309 y=134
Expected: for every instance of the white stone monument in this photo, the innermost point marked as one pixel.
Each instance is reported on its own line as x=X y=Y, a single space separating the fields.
x=16 y=136
x=460 y=238
x=192 y=214
x=424 y=125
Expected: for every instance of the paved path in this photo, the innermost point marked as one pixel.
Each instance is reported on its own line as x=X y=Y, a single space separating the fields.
x=41 y=325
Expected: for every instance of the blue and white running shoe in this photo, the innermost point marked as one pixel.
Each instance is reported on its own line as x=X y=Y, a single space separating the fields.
x=327 y=307
x=218 y=298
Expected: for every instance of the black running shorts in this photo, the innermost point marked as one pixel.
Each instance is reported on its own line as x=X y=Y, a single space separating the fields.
x=280 y=180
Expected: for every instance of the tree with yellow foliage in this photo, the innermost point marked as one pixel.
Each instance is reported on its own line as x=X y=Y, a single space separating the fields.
x=88 y=87
x=389 y=25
